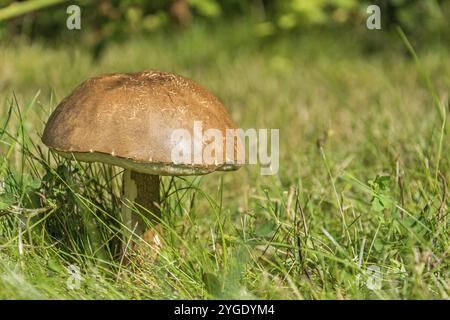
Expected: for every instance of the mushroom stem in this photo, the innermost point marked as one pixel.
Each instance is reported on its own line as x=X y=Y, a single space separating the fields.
x=142 y=190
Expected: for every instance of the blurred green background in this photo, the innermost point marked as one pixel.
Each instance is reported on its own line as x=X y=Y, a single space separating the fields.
x=117 y=19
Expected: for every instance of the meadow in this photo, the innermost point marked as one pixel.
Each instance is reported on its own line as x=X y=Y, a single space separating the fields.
x=358 y=210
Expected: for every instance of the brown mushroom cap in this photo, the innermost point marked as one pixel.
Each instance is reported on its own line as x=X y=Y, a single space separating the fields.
x=128 y=119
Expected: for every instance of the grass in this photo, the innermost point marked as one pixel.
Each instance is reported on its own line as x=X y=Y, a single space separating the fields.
x=361 y=197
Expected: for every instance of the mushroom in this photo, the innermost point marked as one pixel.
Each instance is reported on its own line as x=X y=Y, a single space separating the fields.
x=128 y=120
